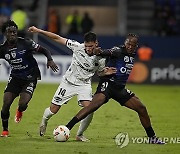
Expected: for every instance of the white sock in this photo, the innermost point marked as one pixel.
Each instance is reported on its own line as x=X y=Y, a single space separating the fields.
x=84 y=124
x=46 y=116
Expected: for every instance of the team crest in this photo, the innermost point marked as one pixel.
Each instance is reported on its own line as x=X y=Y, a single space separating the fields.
x=13 y=54
x=7 y=56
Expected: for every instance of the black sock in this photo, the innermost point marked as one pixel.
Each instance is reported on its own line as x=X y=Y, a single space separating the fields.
x=5 y=125
x=22 y=108
x=72 y=123
x=150 y=131
x=5 y=118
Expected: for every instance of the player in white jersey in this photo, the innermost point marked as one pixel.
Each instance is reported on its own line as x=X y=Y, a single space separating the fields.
x=77 y=79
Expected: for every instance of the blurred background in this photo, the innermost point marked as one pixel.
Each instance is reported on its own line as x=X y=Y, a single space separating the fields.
x=157 y=22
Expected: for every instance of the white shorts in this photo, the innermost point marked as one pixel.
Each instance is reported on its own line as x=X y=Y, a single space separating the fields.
x=66 y=91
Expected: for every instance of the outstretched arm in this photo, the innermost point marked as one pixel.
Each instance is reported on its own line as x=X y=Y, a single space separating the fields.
x=114 y=52
x=52 y=36
x=50 y=62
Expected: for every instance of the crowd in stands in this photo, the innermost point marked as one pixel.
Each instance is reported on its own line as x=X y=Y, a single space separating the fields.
x=165 y=18
x=78 y=24
x=165 y=22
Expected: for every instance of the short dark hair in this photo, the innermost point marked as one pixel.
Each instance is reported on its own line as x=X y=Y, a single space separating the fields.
x=8 y=24
x=90 y=37
x=132 y=35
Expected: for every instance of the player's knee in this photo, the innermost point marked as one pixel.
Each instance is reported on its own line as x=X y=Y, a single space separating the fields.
x=54 y=108
x=5 y=115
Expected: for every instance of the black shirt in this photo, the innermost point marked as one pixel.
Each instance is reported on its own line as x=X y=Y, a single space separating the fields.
x=122 y=61
x=20 y=58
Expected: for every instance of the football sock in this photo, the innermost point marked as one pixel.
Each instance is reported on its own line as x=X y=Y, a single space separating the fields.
x=84 y=124
x=73 y=121
x=5 y=118
x=47 y=115
x=150 y=131
x=22 y=107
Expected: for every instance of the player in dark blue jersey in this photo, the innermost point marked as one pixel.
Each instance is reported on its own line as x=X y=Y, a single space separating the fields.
x=113 y=86
x=18 y=52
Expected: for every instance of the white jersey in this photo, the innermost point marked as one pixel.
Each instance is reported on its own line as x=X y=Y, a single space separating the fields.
x=83 y=66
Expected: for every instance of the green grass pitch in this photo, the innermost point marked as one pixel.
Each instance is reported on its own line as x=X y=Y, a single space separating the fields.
x=162 y=103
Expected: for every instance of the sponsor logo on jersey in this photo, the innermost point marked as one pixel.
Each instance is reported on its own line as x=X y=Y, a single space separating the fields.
x=13 y=54
x=12 y=49
x=87 y=65
x=21 y=52
x=82 y=55
x=16 y=61
x=88 y=70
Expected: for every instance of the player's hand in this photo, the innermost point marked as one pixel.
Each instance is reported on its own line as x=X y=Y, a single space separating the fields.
x=53 y=66
x=109 y=70
x=97 y=51
x=33 y=29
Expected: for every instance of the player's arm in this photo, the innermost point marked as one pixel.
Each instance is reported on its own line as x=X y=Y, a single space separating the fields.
x=107 y=52
x=34 y=47
x=50 y=62
x=107 y=71
x=53 y=36
x=102 y=70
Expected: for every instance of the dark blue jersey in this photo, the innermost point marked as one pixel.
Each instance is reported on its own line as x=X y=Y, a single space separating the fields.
x=122 y=61
x=20 y=58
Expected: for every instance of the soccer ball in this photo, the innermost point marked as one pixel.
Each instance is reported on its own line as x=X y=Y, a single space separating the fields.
x=61 y=133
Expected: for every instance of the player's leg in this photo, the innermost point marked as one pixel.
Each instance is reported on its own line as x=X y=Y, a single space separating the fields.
x=135 y=104
x=97 y=101
x=48 y=113
x=27 y=89
x=102 y=95
x=84 y=99
x=62 y=95
x=22 y=105
x=84 y=124
x=7 y=101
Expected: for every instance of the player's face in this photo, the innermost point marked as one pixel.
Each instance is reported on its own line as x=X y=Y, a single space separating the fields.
x=11 y=34
x=131 y=45
x=89 y=47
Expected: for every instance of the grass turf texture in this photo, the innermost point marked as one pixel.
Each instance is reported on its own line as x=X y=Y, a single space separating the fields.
x=162 y=103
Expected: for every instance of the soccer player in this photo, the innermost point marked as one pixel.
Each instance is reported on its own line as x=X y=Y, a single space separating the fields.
x=113 y=86
x=77 y=79
x=18 y=52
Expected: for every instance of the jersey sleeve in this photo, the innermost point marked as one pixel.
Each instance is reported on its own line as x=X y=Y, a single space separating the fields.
x=113 y=52
x=32 y=45
x=73 y=45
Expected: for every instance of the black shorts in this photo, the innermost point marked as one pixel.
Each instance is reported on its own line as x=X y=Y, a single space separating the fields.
x=17 y=86
x=114 y=91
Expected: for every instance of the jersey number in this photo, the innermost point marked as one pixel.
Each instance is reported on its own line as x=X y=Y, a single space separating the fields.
x=104 y=86
x=62 y=92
